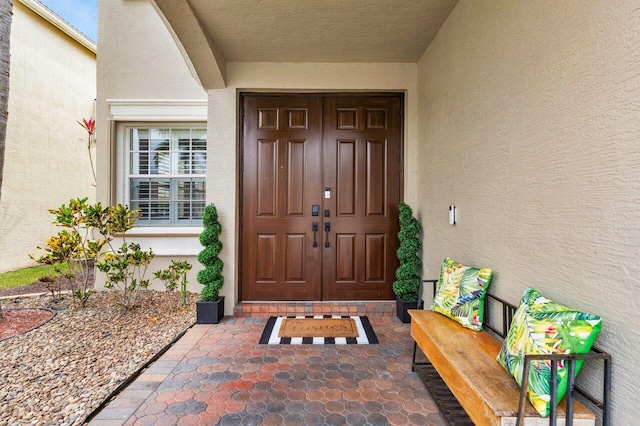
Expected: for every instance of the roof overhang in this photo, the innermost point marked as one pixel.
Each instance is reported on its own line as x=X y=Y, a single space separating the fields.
x=212 y=32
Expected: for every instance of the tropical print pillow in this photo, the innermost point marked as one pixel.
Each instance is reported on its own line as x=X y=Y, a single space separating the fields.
x=542 y=326
x=460 y=293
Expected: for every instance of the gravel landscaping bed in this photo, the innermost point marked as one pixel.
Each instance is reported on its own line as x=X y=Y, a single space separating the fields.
x=60 y=372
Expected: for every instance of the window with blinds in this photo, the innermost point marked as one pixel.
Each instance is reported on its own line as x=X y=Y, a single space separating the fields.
x=166 y=175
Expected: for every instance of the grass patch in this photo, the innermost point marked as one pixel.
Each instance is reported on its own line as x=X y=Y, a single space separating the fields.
x=25 y=276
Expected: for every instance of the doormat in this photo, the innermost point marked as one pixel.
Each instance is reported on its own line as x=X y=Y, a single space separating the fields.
x=309 y=330
x=318 y=327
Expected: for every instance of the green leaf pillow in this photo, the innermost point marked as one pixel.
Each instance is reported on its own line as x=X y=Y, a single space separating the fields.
x=541 y=326
x=460 y=293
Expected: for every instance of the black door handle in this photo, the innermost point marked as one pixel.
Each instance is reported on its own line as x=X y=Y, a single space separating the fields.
x=327 y=229
x=314 y=228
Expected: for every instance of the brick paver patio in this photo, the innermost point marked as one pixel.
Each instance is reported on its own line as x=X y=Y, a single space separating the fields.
x=219 y=374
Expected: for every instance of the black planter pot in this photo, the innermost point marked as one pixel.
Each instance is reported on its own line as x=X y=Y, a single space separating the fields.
x=210 y=312
x=401 y=309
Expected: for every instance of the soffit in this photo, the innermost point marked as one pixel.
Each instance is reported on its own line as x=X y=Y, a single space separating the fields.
x=321 y=30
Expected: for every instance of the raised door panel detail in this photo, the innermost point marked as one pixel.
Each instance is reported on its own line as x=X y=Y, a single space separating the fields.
x=375 y=255
x=345 y=257
x=266 y=258
x=347 y=119
x=267 y=177
x=346 y=178
x=295 y=146
x=268 y=119
x=296 y=177
x=281 y=180
x=376 y=177
x=366 y=131
x=297 y=119
x=295 y=255
x=376 y=119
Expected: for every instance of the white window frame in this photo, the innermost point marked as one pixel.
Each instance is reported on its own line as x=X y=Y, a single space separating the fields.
x=123 y=175
x=150 y=112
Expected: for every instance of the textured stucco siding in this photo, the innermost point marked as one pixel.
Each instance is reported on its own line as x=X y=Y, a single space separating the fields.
x=529 y=118
x=52 y=86
x=133 y=65
x=222 y=173
x=139 y=58
x=522 y=114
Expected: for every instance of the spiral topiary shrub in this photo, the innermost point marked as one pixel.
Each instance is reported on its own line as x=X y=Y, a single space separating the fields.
x=407 y=282
x=211 y=276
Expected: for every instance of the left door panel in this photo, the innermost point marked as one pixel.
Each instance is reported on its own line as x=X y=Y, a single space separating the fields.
x=281 y=181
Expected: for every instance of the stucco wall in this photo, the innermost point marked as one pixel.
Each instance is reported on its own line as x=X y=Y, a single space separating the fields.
x=138 y=57
x=142 y=72
x=53 y=85
x=133 y=66
x=222 y=176
x=528 y=119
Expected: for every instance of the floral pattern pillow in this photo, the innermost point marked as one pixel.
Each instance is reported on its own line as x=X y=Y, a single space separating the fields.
x=542 y=326
x=460 y=293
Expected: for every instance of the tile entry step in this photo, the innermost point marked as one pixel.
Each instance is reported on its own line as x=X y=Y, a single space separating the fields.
x=267 y=309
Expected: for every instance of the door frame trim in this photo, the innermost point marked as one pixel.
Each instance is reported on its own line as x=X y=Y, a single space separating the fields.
x=241 y=94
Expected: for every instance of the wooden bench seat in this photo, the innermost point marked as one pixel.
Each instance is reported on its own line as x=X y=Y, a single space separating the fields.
x=466 y=361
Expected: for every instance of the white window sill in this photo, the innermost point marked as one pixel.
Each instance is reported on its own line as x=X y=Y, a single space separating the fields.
x=165 y=231
x=176 y=252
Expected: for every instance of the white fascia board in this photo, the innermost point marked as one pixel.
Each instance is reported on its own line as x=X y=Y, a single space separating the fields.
x=158 y=109
x=60 y=23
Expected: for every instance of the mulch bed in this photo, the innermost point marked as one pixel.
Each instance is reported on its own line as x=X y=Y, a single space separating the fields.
x=36 y=287
x=16 y=321
x=40 y=287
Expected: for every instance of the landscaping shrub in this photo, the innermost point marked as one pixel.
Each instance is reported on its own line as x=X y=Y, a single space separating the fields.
x=125 y=266
x=172 y=275
x=74 y=245
x=89 y=230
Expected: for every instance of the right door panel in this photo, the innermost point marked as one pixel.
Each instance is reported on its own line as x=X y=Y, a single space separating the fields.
x=361 y=164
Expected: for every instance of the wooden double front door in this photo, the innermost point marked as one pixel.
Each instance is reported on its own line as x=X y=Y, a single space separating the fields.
x=320 y=192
